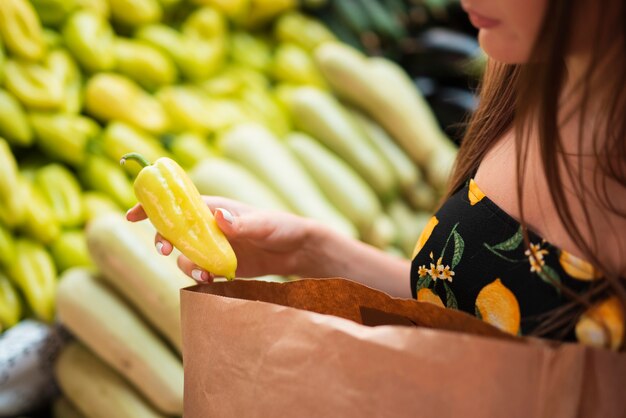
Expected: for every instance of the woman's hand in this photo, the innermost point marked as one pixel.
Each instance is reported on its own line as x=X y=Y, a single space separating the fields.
x=265 y=242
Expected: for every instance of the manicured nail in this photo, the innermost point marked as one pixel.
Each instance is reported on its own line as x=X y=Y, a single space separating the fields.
x=128 y=211
x=159 y=247
x=228 y=217
x=199 y=275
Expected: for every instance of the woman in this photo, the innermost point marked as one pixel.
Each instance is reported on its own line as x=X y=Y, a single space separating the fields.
x=539 y=185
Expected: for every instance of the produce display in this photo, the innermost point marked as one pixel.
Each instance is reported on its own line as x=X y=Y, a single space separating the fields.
x=251 y=99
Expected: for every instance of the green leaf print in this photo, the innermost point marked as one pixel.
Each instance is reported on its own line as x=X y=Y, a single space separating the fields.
x=443 y=252
x=423 y=282
x=450 y=298
x=505 y=258
x=550 y=276
x=511 y=243
x=459 y=246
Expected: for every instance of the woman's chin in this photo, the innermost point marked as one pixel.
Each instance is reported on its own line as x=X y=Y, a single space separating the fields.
x=501 y=48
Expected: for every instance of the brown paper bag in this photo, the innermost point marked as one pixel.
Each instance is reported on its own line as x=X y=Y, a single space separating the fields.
x=300 y=349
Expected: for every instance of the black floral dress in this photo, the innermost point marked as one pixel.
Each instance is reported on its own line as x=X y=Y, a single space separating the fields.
x=471 y=256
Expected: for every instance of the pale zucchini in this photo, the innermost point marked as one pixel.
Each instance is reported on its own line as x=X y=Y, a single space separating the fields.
x=221 y=177
x=63 y=408
x=382 y=89
x=408 y=223
x=125 y=255
x=405 y=169
x=421 y=197
x=112 y=330
x=266 y=156
x=342 y=186
x=95 y=389
x=320 y=115
x=382 y=232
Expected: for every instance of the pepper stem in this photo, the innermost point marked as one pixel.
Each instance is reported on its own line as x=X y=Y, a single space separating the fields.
x=141 y=160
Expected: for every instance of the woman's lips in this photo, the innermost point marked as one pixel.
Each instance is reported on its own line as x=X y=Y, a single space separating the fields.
x=482 y=22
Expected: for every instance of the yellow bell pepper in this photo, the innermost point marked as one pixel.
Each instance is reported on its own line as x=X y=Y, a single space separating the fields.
x=10 y=304
x=144 y=63
x=301 y=30
x=65 y=68
x=13 y=122
x=111 y=96
x=70 y=250
x=222 y=84
x=135 y=12
x=33 y=271
x=54 y=12
x=250 y=51
x=293 y=64
x=64 y=137
x=188 y=148
x=62 y=192
x=249 y=77
x=89 y=37
x=262 y=11
x=230 y=8
x=197 y=58
x=12 y=206
x=39 y=220
x=190 y=110
x=176 y=209
x=7 y=246
x=52 y=39
x=35 y=85
x=205 y=23
x=100 y=7
x=100 y=174
x=3 y=58
x=119 y=138
x=21 y=30
x=203 y=59
x=264 y=108
x=97 y=204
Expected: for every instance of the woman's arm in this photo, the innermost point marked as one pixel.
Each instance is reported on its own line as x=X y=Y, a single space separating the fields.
x=341 y=256
x=268 y=242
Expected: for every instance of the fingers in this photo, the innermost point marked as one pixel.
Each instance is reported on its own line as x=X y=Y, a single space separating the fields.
x=190 y=269
x=163 y=246
x=225 y=221
x=136 y=213
x=233 y=206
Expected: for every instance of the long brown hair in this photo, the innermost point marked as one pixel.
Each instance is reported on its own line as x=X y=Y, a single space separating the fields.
x=514 y=95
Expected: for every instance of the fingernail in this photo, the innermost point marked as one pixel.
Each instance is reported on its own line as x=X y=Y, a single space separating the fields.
x=228 y=217
x=128 y=211
x=199 y=275
x=159 y=247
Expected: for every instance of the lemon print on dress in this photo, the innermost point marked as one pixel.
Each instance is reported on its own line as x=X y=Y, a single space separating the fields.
x=590 y=328
x=474 y=194
x=578 y=268
x=426 y=232
x=498 y=306
x=427 y=295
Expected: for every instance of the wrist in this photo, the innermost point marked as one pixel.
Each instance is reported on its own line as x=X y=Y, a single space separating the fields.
x=315 y=259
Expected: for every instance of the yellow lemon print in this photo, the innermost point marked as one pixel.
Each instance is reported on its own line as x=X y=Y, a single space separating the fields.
x=428 y=296
x=590 y=329
x=578 y=268
x=474 y=194
x=428 y=229
x=498 y=306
